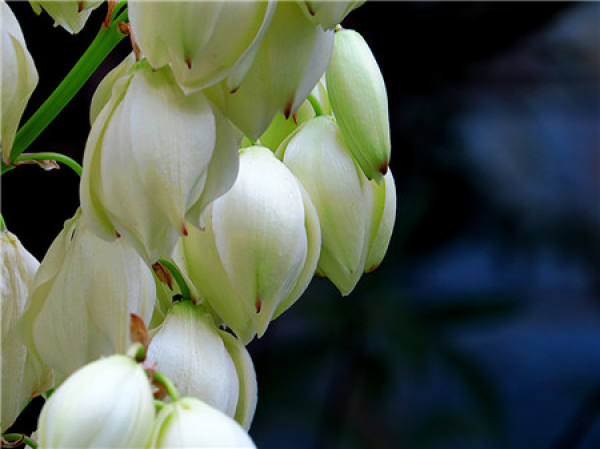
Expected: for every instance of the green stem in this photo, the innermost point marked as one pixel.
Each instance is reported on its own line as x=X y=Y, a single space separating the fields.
x=7 y=168
x=12 y=437
x=315 y=105
x=185 y=291
x=2 y=224
x=73 y=165
x=173 y=393
x=104 y=42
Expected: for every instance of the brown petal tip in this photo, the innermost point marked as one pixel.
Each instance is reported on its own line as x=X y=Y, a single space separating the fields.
x=384 y=168
x=188 y=62
x=234 y=90
x=163 y=274
x=184 y=229
x=258 y=305
x=288 y=108
x=137 y=330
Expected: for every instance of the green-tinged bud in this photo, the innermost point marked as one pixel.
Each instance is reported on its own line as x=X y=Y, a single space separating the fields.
x=192 y=424
x=82 y=296
x=281 y=127
x=359 y=102
x=350 y=207
x=69 y=14
x=204 y=42
x=18 y=81
x=154 y=158
x=290 y=61
x=197 y=357
x=23 y=376
x=383 y=221
x=328 y=13
x=106 y=404
x=260 y=245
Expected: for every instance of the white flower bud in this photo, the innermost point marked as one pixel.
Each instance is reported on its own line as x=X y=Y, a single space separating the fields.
x=18 y=81
x=23 y=376
x=328 y=13
x=197 y=357
x=260 y=245
x=190 y=423
x=359 y=101
x=204 y=42
x=351 y=208
x=69 y=14
x=82 y=296
x=155 y=157
x=106 y=404
x=289 y=63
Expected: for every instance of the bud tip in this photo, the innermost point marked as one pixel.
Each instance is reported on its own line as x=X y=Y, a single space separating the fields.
x=184 y=229
x=384 y=168
x=188 y=62
x=288 y=108
x=373 y=268
x=258 y=305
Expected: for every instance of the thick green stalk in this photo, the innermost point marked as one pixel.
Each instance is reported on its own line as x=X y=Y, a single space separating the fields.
x=104 y=42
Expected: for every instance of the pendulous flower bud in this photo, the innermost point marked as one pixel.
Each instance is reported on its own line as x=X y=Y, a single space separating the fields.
x=290 y=61
x=70 y=14
x=260 y=245
x=192 y=424
x=359 y=102
x=205 y=362
x=23 y=376
x=106 y=404
x=356 y=215
x=328 y=13
x=203 y=42
x=154 y=158
x=82 y=296
x=18 y=81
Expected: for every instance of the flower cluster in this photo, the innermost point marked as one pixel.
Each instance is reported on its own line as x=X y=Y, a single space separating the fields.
x=242 y=148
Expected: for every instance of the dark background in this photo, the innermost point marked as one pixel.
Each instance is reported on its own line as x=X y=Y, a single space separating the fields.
x=481 y=328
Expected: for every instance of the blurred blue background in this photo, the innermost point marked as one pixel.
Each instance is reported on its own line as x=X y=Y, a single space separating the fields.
x=481 y=329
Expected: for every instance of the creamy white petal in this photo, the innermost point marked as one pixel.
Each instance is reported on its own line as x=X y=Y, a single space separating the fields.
x=82 y=297
x=105 y=404
x=291 y=59
x=341 y=194
x=189 y=350
x=18 y=79
x=193 y=424
x=202 y=41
